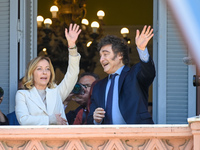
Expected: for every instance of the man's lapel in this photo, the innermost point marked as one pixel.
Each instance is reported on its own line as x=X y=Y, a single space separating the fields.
x=103 y=92
x=122 y=77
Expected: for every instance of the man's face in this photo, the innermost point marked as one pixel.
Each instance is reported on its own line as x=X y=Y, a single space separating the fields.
x=1 y=99
x=87 y=80
x=109 y=61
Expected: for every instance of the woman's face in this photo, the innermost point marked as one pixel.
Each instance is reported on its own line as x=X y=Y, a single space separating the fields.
x=41 y=75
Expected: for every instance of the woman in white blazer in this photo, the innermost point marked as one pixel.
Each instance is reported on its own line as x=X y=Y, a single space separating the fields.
x=41 y=103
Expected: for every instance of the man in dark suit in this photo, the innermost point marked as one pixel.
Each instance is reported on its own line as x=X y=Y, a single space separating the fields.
x=127 y=101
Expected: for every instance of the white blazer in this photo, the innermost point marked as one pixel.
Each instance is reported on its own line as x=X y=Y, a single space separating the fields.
x=30 y=109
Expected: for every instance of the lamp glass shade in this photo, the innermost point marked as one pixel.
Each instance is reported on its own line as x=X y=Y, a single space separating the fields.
x=44 y=49
x=124 y=31
x=40 y=19
x=84 y=21
x=95 y=24
x=100 y=13
x=47 y=21
x=54 y=9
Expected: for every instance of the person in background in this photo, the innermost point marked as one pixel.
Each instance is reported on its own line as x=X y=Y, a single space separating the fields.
x=81 y=117
x=12 y=116
x=81 y=95
x=122 y=97
x=41 y=103
x=3 y=118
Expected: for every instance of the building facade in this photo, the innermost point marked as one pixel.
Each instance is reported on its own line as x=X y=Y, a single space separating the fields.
x=18 y=40
x=174 y=96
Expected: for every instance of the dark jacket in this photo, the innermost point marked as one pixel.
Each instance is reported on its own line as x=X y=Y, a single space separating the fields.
x=133 y=87
x=71 y=115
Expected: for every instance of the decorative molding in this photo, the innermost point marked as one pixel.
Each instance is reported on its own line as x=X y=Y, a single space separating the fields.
x=53 y=144
x=1 y=146
x=113 y=144
x=13 y=144
x=76 y=145
x=104 y=137
x=34 y=145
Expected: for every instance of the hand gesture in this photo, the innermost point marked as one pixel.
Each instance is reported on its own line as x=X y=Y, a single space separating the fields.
x=82 y=99
x=68 y=99
x=72 y=34
x=99 y=114
x=141 y=40
x=60 y=120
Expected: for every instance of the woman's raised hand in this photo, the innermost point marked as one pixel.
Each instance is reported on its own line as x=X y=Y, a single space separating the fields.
x=72 y=34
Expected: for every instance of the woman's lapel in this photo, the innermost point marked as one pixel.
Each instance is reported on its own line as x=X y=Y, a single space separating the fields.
x=35 y=98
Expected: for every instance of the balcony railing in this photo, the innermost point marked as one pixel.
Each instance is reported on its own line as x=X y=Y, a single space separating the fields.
x=102 y=137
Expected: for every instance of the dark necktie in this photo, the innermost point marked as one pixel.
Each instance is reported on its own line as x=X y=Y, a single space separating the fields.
x=108 y=116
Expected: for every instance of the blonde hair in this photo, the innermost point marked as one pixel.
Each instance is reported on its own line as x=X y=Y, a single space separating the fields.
x=28 y=81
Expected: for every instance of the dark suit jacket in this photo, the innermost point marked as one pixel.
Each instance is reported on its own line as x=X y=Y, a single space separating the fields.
x=133 y=88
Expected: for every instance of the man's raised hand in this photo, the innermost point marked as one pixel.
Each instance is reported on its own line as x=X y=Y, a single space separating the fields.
x=141 y=40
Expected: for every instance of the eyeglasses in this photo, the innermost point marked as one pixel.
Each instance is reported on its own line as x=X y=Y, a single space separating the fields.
x=86 y=85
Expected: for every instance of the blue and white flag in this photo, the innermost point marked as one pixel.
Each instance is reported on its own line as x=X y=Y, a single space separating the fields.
x=187 y=16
